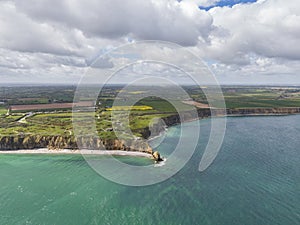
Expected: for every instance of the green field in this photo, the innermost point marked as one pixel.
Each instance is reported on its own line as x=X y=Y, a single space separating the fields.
x=130 y=108
x=272 y=98
x=3 y=110
x=61 y=123
x=160 y=105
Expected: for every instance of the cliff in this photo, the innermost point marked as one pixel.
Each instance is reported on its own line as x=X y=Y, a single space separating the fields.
x=205 y=113
x=70 y=142
x=264 y=111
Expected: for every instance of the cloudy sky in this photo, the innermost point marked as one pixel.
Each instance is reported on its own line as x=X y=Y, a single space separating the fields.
x=242 y=41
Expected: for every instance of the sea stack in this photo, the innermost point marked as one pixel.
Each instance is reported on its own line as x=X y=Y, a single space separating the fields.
x=157 y=157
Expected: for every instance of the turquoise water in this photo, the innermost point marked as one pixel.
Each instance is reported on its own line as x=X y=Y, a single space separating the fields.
x=255 y=179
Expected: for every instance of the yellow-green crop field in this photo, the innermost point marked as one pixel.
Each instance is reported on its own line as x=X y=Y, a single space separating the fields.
x=130 y=108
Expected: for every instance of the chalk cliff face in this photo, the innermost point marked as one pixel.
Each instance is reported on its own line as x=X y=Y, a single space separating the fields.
x=128 y=145
x=264 y=111
x=186 y=116
x=31 y=142
x=204 y=113
x=70 y=142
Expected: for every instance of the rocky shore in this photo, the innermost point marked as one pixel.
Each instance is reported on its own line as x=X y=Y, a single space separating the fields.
x=77 y=152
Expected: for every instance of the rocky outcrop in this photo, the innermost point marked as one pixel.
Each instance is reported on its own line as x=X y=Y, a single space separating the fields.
x=157 y=157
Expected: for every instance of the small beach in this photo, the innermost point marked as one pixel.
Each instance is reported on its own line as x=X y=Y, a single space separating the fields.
x=78 y=152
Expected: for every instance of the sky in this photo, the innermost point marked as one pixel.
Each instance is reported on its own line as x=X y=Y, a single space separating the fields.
x=241 y=41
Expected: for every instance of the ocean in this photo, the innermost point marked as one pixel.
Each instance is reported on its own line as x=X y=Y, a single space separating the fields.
x=255 y=179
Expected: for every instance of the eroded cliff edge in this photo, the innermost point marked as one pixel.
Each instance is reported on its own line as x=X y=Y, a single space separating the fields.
x=70 y=142
x=206 y=113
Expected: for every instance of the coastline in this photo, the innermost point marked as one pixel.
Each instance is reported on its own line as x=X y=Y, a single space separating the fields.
x=263 y=115
x=207 y=116
x=238 y=112
x=170 y=121
x=78 y=152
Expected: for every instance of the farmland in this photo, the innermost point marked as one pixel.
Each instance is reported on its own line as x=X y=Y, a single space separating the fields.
x=51 y=113
x=3 y=110
x=262 y=97
x=128 y=108
x=42 y=107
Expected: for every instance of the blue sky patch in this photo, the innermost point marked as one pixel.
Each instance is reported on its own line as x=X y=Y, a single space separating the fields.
x=229 y=3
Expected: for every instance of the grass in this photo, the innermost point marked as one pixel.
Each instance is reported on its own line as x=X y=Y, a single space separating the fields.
x=44 y=124
x=164 y=106
x=3 y=110
x=7 y=120
x=253 y=97
x=264 y=99
x=140 y=122
x=61 y=124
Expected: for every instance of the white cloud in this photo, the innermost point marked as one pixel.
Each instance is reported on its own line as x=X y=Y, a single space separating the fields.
x=269 y=28
x=204 y=3
x=57 y=38
x=180 y=22
x=261 y=70
x=18 y=32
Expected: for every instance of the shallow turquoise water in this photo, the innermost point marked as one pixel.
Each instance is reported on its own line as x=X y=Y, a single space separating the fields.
x=255 y=179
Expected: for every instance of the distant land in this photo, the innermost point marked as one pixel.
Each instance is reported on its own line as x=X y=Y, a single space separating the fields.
x=40 y=116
